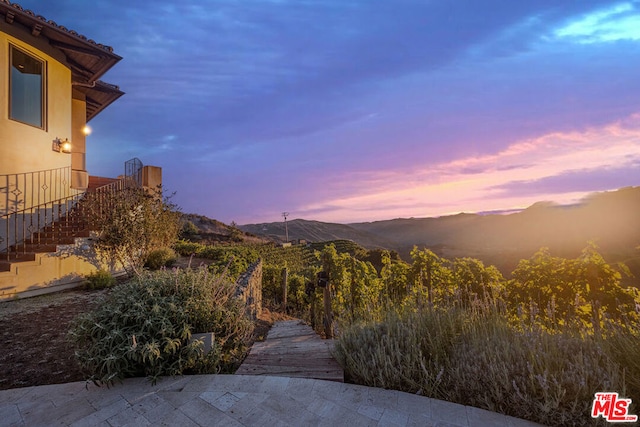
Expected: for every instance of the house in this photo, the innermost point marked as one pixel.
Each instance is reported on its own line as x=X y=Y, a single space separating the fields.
x=51 y=88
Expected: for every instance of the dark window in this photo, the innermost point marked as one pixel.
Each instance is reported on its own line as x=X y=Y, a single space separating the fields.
x=26 y=103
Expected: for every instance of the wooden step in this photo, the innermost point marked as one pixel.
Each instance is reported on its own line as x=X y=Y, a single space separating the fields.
x=292 y=349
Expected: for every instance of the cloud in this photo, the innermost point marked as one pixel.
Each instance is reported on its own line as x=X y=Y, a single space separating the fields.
x=563 y=166
x=616 y=22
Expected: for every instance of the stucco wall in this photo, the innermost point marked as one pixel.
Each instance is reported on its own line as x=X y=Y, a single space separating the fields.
x=25 y=148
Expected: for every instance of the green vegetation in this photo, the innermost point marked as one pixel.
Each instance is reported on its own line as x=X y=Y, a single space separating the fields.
x=131 y=223
x=143 y=327
x=159 y=258
x=477 y=358
x=100 y=279
x=536 y=346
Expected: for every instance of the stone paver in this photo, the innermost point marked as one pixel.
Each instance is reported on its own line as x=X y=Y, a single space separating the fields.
x=234 y=400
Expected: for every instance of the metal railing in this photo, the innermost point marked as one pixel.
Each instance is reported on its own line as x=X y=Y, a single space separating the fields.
x=21 y=191
x=30 y=202
x=48 y=223
x=133 y=170
x=40 y=208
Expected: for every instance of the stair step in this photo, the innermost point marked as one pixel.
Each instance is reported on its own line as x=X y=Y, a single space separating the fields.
x=99 y=181
x=62 y=225
x=40 y=247
x=61 y=233
x=5 y=265
x=52 y=240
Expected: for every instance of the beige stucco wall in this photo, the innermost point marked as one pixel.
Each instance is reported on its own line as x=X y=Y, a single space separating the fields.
x=25 y=148
x=151 y=177
x=52 y=272
x=80 y=177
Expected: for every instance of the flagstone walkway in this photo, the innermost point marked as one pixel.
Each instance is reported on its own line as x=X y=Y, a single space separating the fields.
x=234 y=400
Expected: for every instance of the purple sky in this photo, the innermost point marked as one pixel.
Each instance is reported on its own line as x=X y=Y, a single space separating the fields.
x=360 y=110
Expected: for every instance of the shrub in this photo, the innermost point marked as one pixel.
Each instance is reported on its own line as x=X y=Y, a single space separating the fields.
x=189 y=229
x=143 y=327
x=100 y=279
x=130 y=223
x=158 y=258
x=185 y=248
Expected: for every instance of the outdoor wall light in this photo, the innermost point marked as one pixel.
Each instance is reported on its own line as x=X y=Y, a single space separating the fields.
x=86 y=130
x=61 y=146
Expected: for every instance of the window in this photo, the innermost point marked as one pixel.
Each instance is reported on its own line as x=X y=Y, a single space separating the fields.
x=26 y=100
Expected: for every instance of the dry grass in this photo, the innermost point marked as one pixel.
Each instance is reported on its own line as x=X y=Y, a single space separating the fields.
x=481 y=360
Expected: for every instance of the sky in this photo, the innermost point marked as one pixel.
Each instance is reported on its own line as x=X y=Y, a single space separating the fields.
x=363 y=110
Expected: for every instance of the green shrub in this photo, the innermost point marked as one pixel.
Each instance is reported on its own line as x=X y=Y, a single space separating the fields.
x=158 y=258
x=100 y=279
x=189 y=229
x=186 y=248
x=142 y=328
x=130 y=223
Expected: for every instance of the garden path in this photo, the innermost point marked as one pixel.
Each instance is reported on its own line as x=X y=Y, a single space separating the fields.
x=292 y=349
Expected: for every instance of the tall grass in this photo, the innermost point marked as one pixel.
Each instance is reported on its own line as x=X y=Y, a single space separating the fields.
x=478 y=358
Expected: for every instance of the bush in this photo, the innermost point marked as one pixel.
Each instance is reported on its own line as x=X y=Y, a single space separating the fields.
x=143 y=328
x=158 y=258
x=189 y=229
x=100 y=279
x=130 y=223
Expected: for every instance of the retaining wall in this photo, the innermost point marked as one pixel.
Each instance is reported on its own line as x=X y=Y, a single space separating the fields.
x=249 y=289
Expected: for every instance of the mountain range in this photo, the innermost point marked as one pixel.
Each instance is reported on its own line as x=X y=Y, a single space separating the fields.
x=610 y=219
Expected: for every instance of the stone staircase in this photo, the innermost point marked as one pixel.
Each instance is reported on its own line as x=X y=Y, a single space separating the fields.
x=62 y=232
x=49 y=257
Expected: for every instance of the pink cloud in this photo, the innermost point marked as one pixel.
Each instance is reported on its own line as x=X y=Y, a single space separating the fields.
x=474 y=183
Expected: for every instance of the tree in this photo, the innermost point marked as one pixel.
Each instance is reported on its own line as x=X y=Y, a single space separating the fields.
x=130 y=223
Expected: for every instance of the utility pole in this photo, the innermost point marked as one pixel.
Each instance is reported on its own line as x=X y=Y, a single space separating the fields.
x=286 y=230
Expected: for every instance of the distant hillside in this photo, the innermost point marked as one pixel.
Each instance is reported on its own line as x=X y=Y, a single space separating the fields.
x=611 y=219
x=209 y=230
x=316 y=231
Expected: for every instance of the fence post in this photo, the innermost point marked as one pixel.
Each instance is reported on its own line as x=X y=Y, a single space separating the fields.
x=285 y=278
x=328 y=312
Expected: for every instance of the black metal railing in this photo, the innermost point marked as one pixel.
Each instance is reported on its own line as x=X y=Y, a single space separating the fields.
x=20 y=191
x=133 y=170
x=40 y=208
x=47 y=223
x=31 y=201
